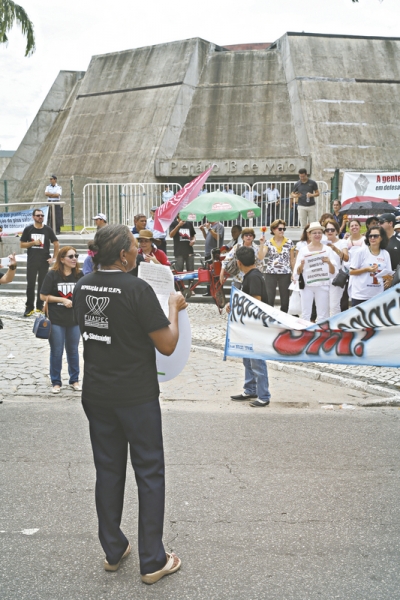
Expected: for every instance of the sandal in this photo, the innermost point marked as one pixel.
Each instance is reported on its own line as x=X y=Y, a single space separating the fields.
x=173 y=564
x=115 y=567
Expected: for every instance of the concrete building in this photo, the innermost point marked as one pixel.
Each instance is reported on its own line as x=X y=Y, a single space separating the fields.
x=5 y=157
x=259 y=112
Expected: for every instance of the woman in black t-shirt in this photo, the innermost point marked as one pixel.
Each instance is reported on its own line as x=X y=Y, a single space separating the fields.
x=57 y=290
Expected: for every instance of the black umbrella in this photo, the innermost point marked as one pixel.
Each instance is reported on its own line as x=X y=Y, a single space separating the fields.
x=367 y=208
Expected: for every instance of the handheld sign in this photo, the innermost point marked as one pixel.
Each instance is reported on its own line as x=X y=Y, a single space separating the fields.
x=161 y=279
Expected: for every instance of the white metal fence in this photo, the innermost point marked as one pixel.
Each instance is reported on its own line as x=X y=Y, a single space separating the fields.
x=121 y=201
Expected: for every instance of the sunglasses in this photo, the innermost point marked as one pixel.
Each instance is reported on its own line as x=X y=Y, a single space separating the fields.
x=330 y=230
x=40 y=216
x=281 y=228
x=71 y=256
x=248 y=235
x=373 y=236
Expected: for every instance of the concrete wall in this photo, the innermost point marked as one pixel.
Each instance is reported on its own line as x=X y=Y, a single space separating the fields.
x=29 y=170
x=143 y=115
x=349 y=110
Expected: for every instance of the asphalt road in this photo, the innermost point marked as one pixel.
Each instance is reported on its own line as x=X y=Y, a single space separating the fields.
x=278 y=503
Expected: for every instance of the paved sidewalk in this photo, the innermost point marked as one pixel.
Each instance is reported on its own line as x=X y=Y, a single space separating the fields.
x=25 y=364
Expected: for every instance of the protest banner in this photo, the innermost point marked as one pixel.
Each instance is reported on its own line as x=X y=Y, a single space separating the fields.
x=161 y=279
x=376 y=187
x=15 y=222
x=166 y=213
x=315 y=269
x=363 y=335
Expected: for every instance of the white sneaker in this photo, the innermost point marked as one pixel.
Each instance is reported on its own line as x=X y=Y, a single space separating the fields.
x=76 y=386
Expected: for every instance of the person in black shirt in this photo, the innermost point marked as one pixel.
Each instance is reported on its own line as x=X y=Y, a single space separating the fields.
x=57 y=290
x=122 y=323
x=304 y=192
x=256 y=373
x=184 y=237
x=36 y=238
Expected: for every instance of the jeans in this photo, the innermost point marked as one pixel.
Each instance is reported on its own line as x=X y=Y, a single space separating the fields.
x=283 y=281
x=35 y=270
x=112 y=429
x=181 y=260
x=60 y=337
x=256 y=378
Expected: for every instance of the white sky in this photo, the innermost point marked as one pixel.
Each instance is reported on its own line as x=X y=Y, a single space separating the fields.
x=69 y=33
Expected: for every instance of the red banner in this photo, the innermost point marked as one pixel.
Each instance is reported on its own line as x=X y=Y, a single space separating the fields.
x=166 y=213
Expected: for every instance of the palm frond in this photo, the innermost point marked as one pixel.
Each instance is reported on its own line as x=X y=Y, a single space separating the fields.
x=12 y=14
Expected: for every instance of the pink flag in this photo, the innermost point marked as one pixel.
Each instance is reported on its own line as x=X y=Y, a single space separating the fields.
x=166 y=213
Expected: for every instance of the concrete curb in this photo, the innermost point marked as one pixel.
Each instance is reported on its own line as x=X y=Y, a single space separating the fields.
x=394 y=400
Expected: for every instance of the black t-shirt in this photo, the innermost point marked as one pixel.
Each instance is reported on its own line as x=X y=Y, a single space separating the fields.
x=115 y=313
x=45 y=235
x=304 y=188
x=254 y=284
x=182 y=238
x=393 y=248
x=55 y=285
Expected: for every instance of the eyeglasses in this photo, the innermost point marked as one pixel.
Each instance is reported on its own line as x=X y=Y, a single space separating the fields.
x=71 y=256
x=373 y=236
x=281 y=228
x=40 y=216
x=248 y=235
x=330 y=230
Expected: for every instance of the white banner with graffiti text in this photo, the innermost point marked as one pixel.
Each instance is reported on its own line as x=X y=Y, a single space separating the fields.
x=15 y=222
x=376 y=187
x=364 y=335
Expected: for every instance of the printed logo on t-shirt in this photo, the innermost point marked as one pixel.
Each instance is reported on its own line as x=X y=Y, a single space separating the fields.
x=65 y=290
x=96 y=317
x=184 y=235
x=40 y=237
x=97 y=338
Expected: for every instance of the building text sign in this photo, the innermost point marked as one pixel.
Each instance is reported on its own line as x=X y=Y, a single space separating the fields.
x=232 y=167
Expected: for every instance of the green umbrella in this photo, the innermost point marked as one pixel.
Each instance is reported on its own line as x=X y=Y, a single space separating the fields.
x=218 y=206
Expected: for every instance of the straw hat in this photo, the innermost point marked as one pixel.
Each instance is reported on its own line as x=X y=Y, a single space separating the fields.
x=145 y=234
x=315 y=225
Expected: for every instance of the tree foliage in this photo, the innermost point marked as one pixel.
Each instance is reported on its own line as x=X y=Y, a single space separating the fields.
x=11 y=14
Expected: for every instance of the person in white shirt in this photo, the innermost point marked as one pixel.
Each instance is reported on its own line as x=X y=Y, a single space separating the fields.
x=54 y=193
x=316 y=290
x=203 y=190
x=272 y=199
x=159 y=238
x=368 y=266
x=339 y=247
x=167 y=194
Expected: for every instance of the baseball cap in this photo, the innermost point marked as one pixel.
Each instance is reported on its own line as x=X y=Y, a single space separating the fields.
x=388 y=218
x=100 y=216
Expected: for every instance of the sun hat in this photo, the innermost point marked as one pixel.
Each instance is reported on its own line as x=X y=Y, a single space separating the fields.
x=315 y=225
x=146 y=234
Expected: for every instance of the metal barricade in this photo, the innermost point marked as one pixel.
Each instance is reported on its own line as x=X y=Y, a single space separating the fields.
x=120 y=202
x=284 y=208
x=116 y=200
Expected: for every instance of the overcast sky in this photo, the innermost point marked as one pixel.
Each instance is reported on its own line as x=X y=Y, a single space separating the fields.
x=69 y=33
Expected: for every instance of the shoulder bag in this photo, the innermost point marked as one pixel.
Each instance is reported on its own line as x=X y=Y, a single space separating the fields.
x=42 y=325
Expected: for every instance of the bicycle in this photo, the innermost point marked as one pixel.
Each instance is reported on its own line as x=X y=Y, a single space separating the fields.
x=209 y=273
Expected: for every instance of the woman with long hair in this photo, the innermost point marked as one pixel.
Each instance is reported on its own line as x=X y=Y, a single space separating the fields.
x=278 y=256
x=368 y=266
x=57 y=290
